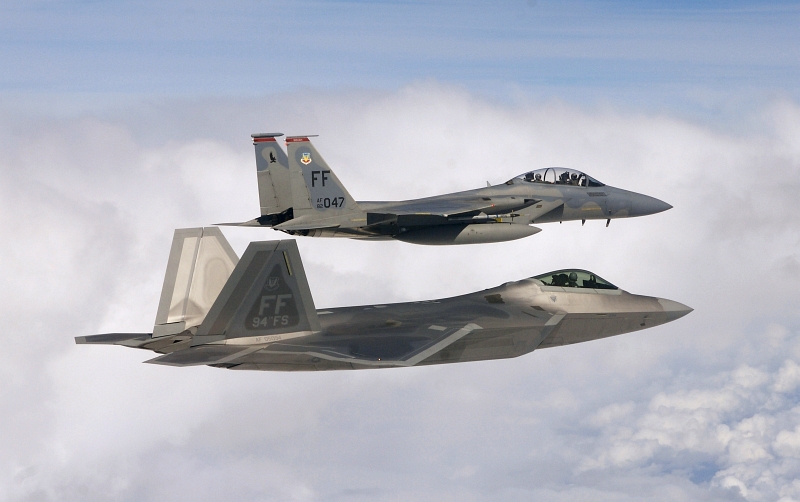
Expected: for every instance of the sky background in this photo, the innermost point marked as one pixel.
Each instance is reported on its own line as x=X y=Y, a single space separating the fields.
x=122 y=121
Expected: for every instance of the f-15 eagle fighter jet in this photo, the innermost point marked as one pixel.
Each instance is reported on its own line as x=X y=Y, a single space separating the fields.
x=301 y=195
x=257 y=314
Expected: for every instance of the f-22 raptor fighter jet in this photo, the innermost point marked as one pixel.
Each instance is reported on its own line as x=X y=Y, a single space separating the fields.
x=257 y=314
x=301 y=195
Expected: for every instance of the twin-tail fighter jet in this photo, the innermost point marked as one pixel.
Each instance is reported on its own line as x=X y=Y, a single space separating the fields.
x=257 y=313
x=301 y=195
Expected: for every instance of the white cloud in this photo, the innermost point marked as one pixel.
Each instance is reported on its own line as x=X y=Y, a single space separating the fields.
x=705 y=408
x=788 y=378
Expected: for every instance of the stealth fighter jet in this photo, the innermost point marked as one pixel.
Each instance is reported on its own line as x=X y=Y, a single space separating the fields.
x=301 y=195
x=257 y=314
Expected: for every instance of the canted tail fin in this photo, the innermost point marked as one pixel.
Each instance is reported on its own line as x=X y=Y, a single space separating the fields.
x=272 y=169
x=200 y=262
x=327 y=197
x=266 y=299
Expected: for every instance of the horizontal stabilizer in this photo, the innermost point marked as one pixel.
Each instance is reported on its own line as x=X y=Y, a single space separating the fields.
x=249 y=223
x=130 y=339
x=265 y=220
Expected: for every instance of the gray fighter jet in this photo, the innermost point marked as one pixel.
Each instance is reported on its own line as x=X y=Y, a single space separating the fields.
x=257 y=314
x=301 y=195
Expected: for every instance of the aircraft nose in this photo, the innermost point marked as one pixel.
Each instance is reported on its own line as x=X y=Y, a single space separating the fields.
x=674 y=310
x=642 y=205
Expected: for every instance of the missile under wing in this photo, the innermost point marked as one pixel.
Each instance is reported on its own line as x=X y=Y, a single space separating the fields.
x=257 y=313
x=301 y=195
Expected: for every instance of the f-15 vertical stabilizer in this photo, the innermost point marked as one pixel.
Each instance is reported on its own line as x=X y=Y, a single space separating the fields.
x=200 y=262
x=272 y=169
x=327 y=197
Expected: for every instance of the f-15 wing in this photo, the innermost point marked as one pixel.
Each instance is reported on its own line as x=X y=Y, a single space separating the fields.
x=437 y=210
x=448 y=207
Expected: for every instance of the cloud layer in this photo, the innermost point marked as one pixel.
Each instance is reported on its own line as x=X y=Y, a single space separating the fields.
x=705 y=408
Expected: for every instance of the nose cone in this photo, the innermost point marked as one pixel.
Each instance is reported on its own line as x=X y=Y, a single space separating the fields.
x=642 y=205
x=674 y=310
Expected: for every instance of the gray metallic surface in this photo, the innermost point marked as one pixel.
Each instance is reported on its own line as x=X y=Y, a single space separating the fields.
x=200 y=262
x=264 y=319
x=272 y=170
x=322 y=207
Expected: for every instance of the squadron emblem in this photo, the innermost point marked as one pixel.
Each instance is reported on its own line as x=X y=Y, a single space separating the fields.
x=306 y=158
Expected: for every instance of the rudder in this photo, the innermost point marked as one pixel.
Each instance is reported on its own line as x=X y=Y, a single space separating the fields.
x=274 y=181
x=200 y=262
x=327 y=196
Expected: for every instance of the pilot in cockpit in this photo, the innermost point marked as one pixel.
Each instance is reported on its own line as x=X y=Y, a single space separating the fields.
x=573 y=280
x=537 y=178
x=574 y=179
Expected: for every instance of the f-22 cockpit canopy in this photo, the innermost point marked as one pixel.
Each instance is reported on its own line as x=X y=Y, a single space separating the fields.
x=559 y=176
x=574 y=278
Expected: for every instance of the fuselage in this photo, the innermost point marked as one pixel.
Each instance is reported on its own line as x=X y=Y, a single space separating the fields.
x=513 y=200
x=508 y=321
x=301 y=195
x=507 y=210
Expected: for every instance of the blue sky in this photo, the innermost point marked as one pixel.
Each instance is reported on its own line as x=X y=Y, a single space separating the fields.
x=675 y=52
x=121 y=121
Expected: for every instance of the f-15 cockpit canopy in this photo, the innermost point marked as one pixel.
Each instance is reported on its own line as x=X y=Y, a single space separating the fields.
x=574 y=278
x=559 y=176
